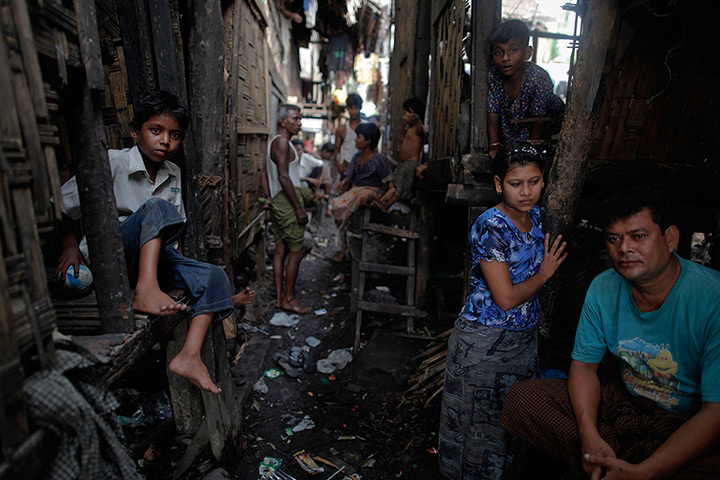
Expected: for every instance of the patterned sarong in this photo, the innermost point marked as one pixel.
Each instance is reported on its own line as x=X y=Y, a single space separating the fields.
x=540 y=412
x=349 y=202
x=482 y=364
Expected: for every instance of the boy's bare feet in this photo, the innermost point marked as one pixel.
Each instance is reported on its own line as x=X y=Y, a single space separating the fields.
x=245 y=297
x=192 y=368
x=295 y=306
x=155 y=302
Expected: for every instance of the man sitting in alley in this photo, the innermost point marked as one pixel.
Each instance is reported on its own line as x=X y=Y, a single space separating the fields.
x=659 y=316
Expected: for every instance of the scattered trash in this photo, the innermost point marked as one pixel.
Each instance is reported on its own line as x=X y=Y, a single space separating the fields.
x=284 y=362
x=156 y=407
x=305 y=424
x=339 y=278
x=321 y=311
x=350 y=437
x=325 y=366
x=307 y=463
x=272 y=373
x=432 y=450
x=282 y=319
x=269 y=465
x=382 y=289
x=309 y=364
x=336 y=360
x=276 y=337
x=289 y=432
x=369 y=463
x=332 y=377
x=336 y=473
x=340 y=357
x=260 y=386
x=312 y=341
x=296 y=357
x=378 y=296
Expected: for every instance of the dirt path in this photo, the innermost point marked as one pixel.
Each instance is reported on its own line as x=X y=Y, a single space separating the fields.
x=359 y=421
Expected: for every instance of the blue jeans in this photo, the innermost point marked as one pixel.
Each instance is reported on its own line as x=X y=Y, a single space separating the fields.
x=207 y=285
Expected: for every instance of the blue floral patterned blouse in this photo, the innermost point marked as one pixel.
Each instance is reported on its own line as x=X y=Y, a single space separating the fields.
x=496 y=239
x=536 y=99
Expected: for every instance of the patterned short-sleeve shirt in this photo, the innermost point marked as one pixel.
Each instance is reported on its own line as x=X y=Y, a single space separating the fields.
x=369 y=174
x=495 y=238
x=536 y=98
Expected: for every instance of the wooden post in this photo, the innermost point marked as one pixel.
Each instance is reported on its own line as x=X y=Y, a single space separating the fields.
x=402 y=67
x=207 y=98
x=588 y=90
x=132 y=17
x=95 y=185
x=485 y=17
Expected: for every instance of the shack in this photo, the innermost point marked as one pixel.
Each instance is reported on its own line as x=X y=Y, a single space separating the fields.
x=640 y=110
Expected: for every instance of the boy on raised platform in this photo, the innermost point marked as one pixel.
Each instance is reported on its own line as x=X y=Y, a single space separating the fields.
x=148 y=194
x=518 y=90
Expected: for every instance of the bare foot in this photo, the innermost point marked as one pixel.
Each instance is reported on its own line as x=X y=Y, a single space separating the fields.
x=319 y=195
x=245 y=297
x=295 y=306
x=380 y=205
x=279 y=301
x=192 y=368
x=155 y=302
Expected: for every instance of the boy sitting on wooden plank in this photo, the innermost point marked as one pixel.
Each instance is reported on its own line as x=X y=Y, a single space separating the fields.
x=148 y=195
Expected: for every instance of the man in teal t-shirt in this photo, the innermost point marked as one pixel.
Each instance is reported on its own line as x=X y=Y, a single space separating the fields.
x=660 y=316
x=670 y=355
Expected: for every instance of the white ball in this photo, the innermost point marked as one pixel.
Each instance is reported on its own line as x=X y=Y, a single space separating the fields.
x=78 y=285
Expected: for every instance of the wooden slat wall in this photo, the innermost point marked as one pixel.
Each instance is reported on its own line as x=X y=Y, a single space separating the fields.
x=658 y=126
x=249 y=128
x=447 y=59
x=27 y=180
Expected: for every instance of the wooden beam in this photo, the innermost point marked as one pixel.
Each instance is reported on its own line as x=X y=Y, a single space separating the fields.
x=100 y=215
x=567 y=176
x=135 y=33
x=87 y=31
x=588 y=90
x=207 y=98
x=485 y=17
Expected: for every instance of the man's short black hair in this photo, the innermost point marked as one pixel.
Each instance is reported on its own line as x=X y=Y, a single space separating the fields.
x=370 y=131
x=629 y=202
x=509 y=30
x=328 y=147
x=354 y=100
x=159 y=102
x=297 y=141
x=416 y=105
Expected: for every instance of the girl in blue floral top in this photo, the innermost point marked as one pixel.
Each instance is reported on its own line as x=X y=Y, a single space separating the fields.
x=494 y=342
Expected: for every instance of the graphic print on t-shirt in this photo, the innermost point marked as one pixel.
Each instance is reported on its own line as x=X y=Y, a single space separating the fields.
x=650 y=371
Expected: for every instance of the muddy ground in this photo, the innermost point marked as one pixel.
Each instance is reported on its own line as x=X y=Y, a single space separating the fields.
x=362 y=420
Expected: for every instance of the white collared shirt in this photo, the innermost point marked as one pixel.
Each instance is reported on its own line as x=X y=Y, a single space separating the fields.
x=131 y=185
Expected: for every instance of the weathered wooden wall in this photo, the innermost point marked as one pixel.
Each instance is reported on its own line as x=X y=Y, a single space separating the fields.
x=659 y=123
x=248 y=121
x=447 y=79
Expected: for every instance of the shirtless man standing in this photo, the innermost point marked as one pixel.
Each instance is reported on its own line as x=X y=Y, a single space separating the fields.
x=345 y=137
